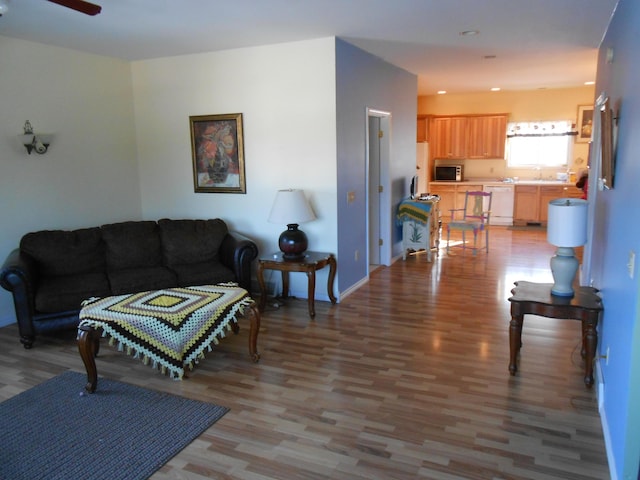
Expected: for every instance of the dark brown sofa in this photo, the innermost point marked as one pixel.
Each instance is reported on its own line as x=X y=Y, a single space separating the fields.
x=53 y=271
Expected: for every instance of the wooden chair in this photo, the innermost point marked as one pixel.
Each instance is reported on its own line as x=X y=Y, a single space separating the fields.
x=473 y=217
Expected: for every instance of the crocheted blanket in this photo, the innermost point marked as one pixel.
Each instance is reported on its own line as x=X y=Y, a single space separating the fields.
x=412 y=210
x=169 y=328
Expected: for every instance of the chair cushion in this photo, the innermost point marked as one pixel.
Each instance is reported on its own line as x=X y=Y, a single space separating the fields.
x=132 y=245
x=61 y=252
x=67 y=292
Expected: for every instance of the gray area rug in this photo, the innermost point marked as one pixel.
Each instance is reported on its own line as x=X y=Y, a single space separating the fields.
x=56 y=431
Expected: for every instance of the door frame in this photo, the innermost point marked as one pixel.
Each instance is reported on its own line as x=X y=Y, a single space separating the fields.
x=384 y=199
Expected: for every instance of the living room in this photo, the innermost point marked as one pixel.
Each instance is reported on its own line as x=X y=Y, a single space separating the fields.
x=121 y=151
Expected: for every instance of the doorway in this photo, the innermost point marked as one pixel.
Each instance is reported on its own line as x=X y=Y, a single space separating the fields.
x=378 y=189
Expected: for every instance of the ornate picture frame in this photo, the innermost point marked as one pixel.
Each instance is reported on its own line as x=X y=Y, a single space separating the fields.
x=217 y=149
x=584 y=125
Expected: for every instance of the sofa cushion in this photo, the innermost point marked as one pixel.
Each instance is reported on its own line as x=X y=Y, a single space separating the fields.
x=61 y=252
x=191 y=241
x=141 y=279
x=67 y=292
x=205 y=273
x=132 y=245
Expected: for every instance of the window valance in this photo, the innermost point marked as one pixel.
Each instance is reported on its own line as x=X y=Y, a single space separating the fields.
x=541 y=129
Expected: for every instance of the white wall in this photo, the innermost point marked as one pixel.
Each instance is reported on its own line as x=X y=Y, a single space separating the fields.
x=89 y=176
x=286 y=93
x=122 y=149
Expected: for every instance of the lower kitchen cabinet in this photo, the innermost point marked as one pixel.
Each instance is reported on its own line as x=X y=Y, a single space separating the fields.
x=531 y=201
x=447 y=194
x=526 y=205
x=452 y=196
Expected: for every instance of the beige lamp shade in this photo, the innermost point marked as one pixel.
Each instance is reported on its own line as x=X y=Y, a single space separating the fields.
x=291 y=206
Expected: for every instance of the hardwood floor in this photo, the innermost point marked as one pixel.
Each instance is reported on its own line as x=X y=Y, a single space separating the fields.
x=406 y=378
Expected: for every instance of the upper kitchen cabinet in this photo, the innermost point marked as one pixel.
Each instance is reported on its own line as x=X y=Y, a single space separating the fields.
x=486 y=136
x=468 y=136
x=423 y=124
x=447 y=137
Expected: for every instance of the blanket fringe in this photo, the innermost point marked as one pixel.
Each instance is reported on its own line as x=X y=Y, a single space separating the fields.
x=229 y=323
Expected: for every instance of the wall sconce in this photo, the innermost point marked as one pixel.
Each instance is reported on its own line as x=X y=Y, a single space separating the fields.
x=39 y=142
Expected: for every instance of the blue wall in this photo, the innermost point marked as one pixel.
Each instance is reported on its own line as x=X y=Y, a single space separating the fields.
x=616 y=234
x=363 y=80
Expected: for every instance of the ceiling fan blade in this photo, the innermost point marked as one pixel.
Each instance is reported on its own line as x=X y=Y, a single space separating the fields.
x=80 y=6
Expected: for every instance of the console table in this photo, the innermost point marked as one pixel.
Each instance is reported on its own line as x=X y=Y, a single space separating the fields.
x=536 y=299
x=310 y=263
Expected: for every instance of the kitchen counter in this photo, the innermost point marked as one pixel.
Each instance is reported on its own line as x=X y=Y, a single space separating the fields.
x=497 y=182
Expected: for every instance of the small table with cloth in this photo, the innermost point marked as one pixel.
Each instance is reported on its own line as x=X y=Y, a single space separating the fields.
x=420 y=220
x=170 y=328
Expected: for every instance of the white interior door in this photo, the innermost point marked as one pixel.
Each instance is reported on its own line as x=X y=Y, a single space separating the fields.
x=374 y=191
x=379 y=221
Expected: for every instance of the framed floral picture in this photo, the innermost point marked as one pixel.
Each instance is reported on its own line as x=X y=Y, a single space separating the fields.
x=585 y=123
x=217 y=148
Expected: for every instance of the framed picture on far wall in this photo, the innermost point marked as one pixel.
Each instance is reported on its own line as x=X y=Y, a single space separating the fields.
x=217 y=148
x=585 y=123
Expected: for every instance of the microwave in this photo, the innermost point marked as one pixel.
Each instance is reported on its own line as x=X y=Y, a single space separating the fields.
x=448 y=173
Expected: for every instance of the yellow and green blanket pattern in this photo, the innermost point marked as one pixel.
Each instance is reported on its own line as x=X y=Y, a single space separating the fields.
x=412 y=210
x=169 y=328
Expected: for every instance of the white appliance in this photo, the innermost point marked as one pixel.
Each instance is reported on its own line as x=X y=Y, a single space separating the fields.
x=501 y=203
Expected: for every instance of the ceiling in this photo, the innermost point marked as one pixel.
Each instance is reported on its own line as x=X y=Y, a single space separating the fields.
x=521 y=44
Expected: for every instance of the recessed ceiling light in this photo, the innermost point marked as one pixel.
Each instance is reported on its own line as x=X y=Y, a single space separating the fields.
x=495 y=89
x=441 y=92
x=590 y=83
x=469 y=33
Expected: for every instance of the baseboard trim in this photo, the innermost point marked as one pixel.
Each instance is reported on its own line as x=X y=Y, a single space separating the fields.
x=600 y=395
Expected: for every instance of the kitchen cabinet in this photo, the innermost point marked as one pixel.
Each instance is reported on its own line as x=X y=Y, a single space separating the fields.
x=467 y=136
x=486 y=136
x=525 y=205
x=447 y=137
x=452 y=196
x=548 y=193
x=422 y=125
x=447 y=195
x=573 y=192
x=532 y=201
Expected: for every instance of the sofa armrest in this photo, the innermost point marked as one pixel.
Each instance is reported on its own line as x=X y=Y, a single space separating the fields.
x=237 y=252
x=19 y=276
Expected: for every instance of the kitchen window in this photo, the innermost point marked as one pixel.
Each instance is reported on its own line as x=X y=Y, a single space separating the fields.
x=539 y=144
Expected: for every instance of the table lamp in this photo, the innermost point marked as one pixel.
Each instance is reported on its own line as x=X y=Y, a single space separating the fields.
x=291 y=207
x=566 y=228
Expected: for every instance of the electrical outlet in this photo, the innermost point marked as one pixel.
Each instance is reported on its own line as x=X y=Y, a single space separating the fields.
x=356 y=256
x=631 y=266
x=351 y=197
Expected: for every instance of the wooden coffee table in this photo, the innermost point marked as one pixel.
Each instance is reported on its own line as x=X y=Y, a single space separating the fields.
x=170 y=329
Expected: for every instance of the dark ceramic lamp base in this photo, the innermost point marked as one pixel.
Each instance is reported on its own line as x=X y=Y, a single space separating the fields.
x=293 y=242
